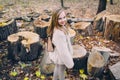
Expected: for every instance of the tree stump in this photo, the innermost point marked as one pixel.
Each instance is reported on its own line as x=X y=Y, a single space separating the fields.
x=112 y=27
x=79 y=57
x=24 y=46
x=40 y=27
x=8 y=27
x=72 y=34
x=97 y=60
x=85 y=28
x=115 y=69
x=98 y=23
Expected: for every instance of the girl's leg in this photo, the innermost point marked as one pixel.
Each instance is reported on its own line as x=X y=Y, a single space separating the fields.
x=61 y=69
x=55 y=75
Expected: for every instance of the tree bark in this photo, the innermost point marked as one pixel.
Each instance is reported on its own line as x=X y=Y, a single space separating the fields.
x=80 y=57
x=40 y=28
x=97 y=60
x=111 y=2
x=62 y=3
x=85 y=28
x=112 y=27
x=8 y=29
x=102 y=5
x=24 y=46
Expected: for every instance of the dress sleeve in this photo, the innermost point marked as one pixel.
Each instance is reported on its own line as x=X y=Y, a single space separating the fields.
x=62 y=48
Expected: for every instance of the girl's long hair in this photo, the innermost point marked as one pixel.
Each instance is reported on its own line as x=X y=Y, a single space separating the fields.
x=54 y=22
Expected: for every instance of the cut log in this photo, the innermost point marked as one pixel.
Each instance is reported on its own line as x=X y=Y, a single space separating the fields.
x=78 y=51
x=13 y=47
x=24 y=46
x=85 y=28
x=70 y=20
x=112 y=27
x=9 y=27
x=80 y=58
x=98 y=22
x=41 y=28
x=115 y=69
x=97 y=60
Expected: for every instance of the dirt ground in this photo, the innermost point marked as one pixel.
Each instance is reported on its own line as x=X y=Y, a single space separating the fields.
x=79 y=8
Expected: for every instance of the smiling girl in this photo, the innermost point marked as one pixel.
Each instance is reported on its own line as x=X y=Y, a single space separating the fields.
x=62 y=54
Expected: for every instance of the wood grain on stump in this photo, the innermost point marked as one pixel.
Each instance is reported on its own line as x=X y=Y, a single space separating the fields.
x=84 y=28
x=97 y=60
x=80 y=58
x=112 y=27
x=40 y=27
x=25 y=45
x=98 y=23
x=72 y=34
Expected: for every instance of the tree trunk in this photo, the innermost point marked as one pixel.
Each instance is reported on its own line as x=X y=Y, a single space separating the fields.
x=9 y=28
x=80 y=57
x=111 y=2
x=97 y=60
x=102 y=6
x=98 y=23
x=112 y=27
x=85 y=28
x=40 y=27
x=72 y=35
x=62 y=3
x=115 y=69
x=24 y=46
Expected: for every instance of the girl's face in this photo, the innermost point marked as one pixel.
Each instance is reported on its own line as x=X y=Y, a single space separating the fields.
x=62 y=18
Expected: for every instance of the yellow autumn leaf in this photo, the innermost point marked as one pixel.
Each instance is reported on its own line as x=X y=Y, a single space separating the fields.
x=13 y=73
x=65 y=73
x=3 y=23
x=83 y=76
x=23 y=65
x=81 y=71
x=26 y=78
x=42 y=77
x=1 y=7
x=81 y=37
x=38 y=73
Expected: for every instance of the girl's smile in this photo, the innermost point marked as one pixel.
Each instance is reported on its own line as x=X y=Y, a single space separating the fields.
x=62 y=19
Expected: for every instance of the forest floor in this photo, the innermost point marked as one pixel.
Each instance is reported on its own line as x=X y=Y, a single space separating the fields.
x=79 y=9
